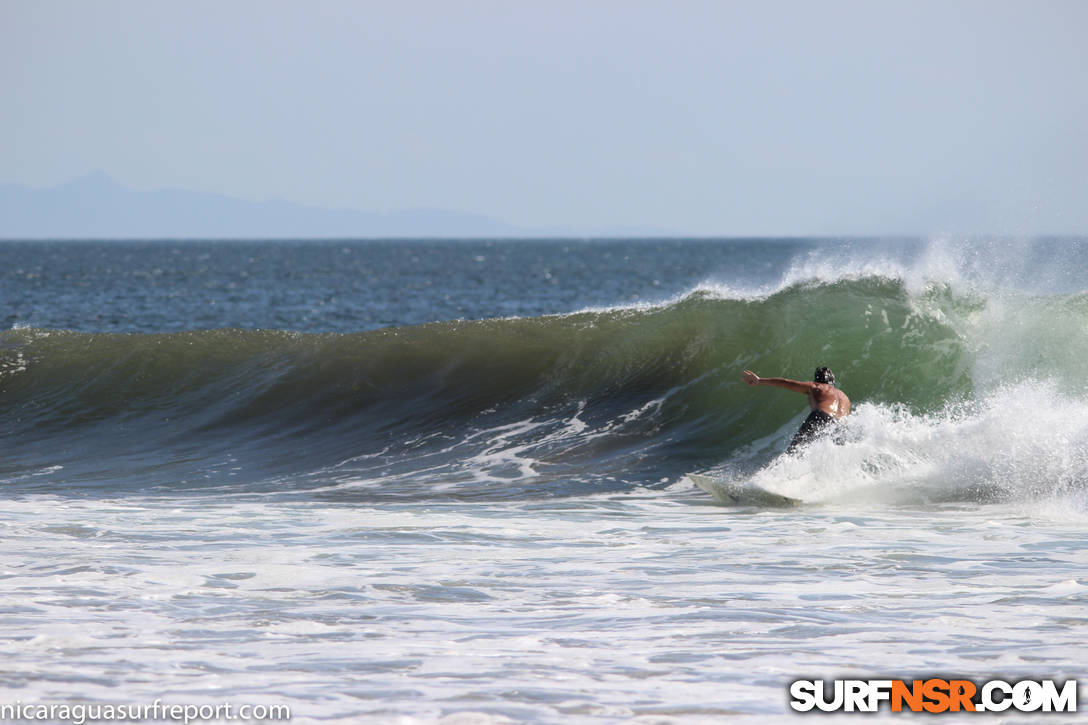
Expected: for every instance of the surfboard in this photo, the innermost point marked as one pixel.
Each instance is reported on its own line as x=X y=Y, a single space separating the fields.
x=736 y=494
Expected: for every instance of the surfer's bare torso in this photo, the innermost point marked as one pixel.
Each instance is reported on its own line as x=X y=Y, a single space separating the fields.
x=829 y=399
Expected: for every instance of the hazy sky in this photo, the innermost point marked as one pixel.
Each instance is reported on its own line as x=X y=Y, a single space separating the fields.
x=728 y=118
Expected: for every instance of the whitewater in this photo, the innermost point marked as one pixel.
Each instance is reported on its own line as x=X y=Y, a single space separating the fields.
x=436 y=481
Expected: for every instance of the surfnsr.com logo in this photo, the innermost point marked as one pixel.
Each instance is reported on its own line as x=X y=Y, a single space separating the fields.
x=933 y=695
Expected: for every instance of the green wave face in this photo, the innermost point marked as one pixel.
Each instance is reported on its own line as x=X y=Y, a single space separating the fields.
x=641 y=394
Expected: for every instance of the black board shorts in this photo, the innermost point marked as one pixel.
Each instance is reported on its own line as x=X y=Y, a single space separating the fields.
x=816 y=422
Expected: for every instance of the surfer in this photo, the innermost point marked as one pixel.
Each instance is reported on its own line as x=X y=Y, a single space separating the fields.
x=827 y=402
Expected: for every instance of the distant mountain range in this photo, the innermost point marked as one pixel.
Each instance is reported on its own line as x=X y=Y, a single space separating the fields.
x=97 y=207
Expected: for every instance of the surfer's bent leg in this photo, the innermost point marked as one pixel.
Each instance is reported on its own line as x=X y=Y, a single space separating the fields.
x=816 y=421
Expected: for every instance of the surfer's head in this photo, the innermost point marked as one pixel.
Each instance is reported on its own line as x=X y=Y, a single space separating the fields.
x=824 y=375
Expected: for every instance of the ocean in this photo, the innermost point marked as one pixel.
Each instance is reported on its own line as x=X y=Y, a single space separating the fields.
x=444 y=481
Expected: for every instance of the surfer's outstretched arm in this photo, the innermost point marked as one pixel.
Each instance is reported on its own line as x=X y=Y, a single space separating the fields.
x=795 y=385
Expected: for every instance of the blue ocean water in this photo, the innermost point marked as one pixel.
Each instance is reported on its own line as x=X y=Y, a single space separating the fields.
x=443 y=481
